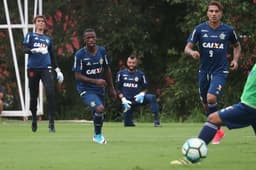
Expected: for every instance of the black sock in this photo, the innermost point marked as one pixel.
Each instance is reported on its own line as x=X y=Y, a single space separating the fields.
x=34 y=117
x=98 y=122
x=156 y=116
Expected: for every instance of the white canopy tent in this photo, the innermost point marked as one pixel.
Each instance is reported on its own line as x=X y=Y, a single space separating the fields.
x=24 y=25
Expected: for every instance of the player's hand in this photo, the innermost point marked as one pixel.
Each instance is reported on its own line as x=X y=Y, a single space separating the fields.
x=35 y=50
x=233 y=65
x=126 y=104
x=195 y=54
x=101 y=82
x=42 y=50
x=60 y=76
x=139 y=98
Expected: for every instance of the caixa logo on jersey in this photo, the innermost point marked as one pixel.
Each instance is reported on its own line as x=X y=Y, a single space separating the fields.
x=94 y=71
x=213 y=45
x=130 y=85
x=39 y=45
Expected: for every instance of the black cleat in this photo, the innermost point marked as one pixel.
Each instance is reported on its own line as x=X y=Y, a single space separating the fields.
x=34 y=126
x=51 y=128
x=130 y=125
x=157 y=123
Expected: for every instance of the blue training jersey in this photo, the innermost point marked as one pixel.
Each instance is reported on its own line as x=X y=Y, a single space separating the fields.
x=130 y=83
x=213 y=46
x=92 y=67
x=37 y=60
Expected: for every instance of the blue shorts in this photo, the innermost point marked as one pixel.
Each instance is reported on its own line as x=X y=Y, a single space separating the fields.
x=93 y=100
x=211 y=83
x=238 y=116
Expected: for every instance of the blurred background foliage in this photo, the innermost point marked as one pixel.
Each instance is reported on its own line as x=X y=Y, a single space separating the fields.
x=154 y=30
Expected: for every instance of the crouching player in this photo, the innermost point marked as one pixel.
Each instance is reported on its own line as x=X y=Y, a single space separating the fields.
x=239 y=115
x=131 y=84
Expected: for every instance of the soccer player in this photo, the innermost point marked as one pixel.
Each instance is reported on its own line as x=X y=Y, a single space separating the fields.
x=242 y=114
x=93 y=75
x=213 y=38
x=131 y=84
x=41 y=61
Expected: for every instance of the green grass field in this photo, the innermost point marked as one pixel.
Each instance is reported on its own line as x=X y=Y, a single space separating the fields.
x=137 y=148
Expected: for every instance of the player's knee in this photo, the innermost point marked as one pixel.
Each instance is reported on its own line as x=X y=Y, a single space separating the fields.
x=211 y=98
x=214 y=118
x=152 y=97
x=100 y=109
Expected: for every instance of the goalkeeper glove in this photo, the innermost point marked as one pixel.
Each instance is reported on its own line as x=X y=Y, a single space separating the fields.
x=42 y=50
x=60 y=76
x=126 y=104
x=139 y=98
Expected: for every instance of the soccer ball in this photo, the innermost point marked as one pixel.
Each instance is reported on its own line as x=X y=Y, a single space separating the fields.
x=194 y=149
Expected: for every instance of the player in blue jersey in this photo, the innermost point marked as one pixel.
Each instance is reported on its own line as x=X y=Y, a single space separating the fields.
x=213 y=38
x=131 y=84
x=41 y=62
x=93 y=75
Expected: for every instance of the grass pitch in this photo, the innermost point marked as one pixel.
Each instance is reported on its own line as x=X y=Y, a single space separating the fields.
x=143 y=147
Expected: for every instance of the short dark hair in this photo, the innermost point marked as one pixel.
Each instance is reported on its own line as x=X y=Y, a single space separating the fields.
x=39 y=16
x=88 y=30
x=216 y=3
x=133 y=56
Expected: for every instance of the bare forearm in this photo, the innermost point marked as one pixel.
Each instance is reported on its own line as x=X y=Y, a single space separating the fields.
x=237 y=51
x=188 y=51
x=109 y=78
x=79 y=76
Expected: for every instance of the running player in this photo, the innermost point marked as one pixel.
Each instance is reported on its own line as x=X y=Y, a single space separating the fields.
x=213 y=38
x=41 y=61
x=131 y=84
x=93 y=75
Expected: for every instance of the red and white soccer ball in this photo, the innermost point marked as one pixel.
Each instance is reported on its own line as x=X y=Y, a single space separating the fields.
x=194 y=149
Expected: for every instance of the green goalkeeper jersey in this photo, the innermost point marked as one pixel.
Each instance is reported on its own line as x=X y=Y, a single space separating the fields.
x=249 y=93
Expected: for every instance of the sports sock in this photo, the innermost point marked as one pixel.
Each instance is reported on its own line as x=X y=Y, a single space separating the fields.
x=128 y=118
x=156 y=116
x=212 y=107
x=208 y=132
x=98 y=122
x=34 y=117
